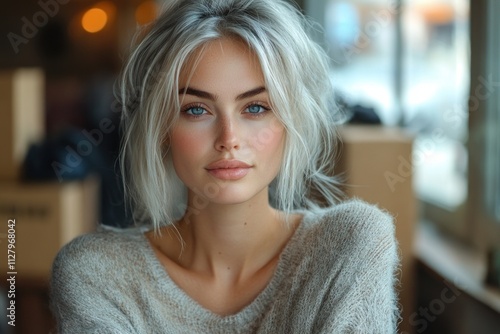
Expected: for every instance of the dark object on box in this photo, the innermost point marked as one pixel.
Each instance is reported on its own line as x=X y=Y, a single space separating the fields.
x=357 y=113
x=363 y=115
x=65 y=157
x=74 y=155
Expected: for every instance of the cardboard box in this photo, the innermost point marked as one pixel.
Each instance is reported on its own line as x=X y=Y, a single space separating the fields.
x=22 y=120
x=47 y=216
x=377 y=162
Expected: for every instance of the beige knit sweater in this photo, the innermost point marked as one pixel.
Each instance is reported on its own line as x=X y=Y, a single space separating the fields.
x=336 y=275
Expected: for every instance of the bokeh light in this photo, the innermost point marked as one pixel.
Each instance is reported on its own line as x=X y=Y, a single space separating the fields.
x=94 y=20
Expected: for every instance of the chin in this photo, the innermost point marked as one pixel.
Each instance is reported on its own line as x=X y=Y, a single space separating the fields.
x=227 y=195
x=232 y=198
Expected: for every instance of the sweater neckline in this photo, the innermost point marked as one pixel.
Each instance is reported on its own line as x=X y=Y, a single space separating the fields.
x=199 y=314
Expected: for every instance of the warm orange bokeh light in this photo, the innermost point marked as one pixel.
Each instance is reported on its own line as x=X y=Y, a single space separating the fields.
x=94 y=20
x=146 y=12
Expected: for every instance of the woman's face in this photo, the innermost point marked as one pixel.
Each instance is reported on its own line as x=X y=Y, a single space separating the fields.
x=227 y=144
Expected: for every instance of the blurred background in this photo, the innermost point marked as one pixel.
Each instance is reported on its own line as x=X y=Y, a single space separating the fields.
x=417 y=78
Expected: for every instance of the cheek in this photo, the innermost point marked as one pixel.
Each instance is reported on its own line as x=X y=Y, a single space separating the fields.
x=185 y=147
x=181 y=142
x=270 y=141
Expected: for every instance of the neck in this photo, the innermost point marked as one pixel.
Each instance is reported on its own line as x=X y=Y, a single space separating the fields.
x=232 y=240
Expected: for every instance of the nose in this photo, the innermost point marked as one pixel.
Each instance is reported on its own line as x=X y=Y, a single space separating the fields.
x=227 y=135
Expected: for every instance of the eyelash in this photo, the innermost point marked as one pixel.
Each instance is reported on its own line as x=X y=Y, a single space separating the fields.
x=253 y=115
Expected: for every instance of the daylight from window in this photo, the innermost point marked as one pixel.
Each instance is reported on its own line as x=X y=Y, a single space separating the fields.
x=419 y=81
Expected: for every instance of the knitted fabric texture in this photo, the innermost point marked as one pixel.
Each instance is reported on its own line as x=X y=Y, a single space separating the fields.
x=337 y=274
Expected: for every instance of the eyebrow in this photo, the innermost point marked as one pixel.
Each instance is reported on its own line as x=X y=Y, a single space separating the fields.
x=207 y=95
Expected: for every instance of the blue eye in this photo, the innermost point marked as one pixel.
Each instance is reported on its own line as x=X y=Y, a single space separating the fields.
x=256 y=109
x=196 y=111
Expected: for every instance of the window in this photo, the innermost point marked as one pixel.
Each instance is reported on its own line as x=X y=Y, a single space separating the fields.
x=492 y=137
x=361 y=39
x=435 y=94
x=484 y=143
x=410 y=61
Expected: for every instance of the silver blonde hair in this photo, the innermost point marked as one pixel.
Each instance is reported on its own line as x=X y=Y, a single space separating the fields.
x=296 y=76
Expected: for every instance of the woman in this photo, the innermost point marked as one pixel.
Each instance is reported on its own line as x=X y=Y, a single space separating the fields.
x=227 y=110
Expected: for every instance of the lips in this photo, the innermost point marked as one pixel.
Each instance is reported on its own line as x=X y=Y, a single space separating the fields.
x=228 y=169
x=226 y=164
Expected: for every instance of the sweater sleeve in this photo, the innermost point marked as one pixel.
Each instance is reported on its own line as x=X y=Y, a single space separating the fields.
x=368 y=300
x=374 y=290
x=81 y=298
